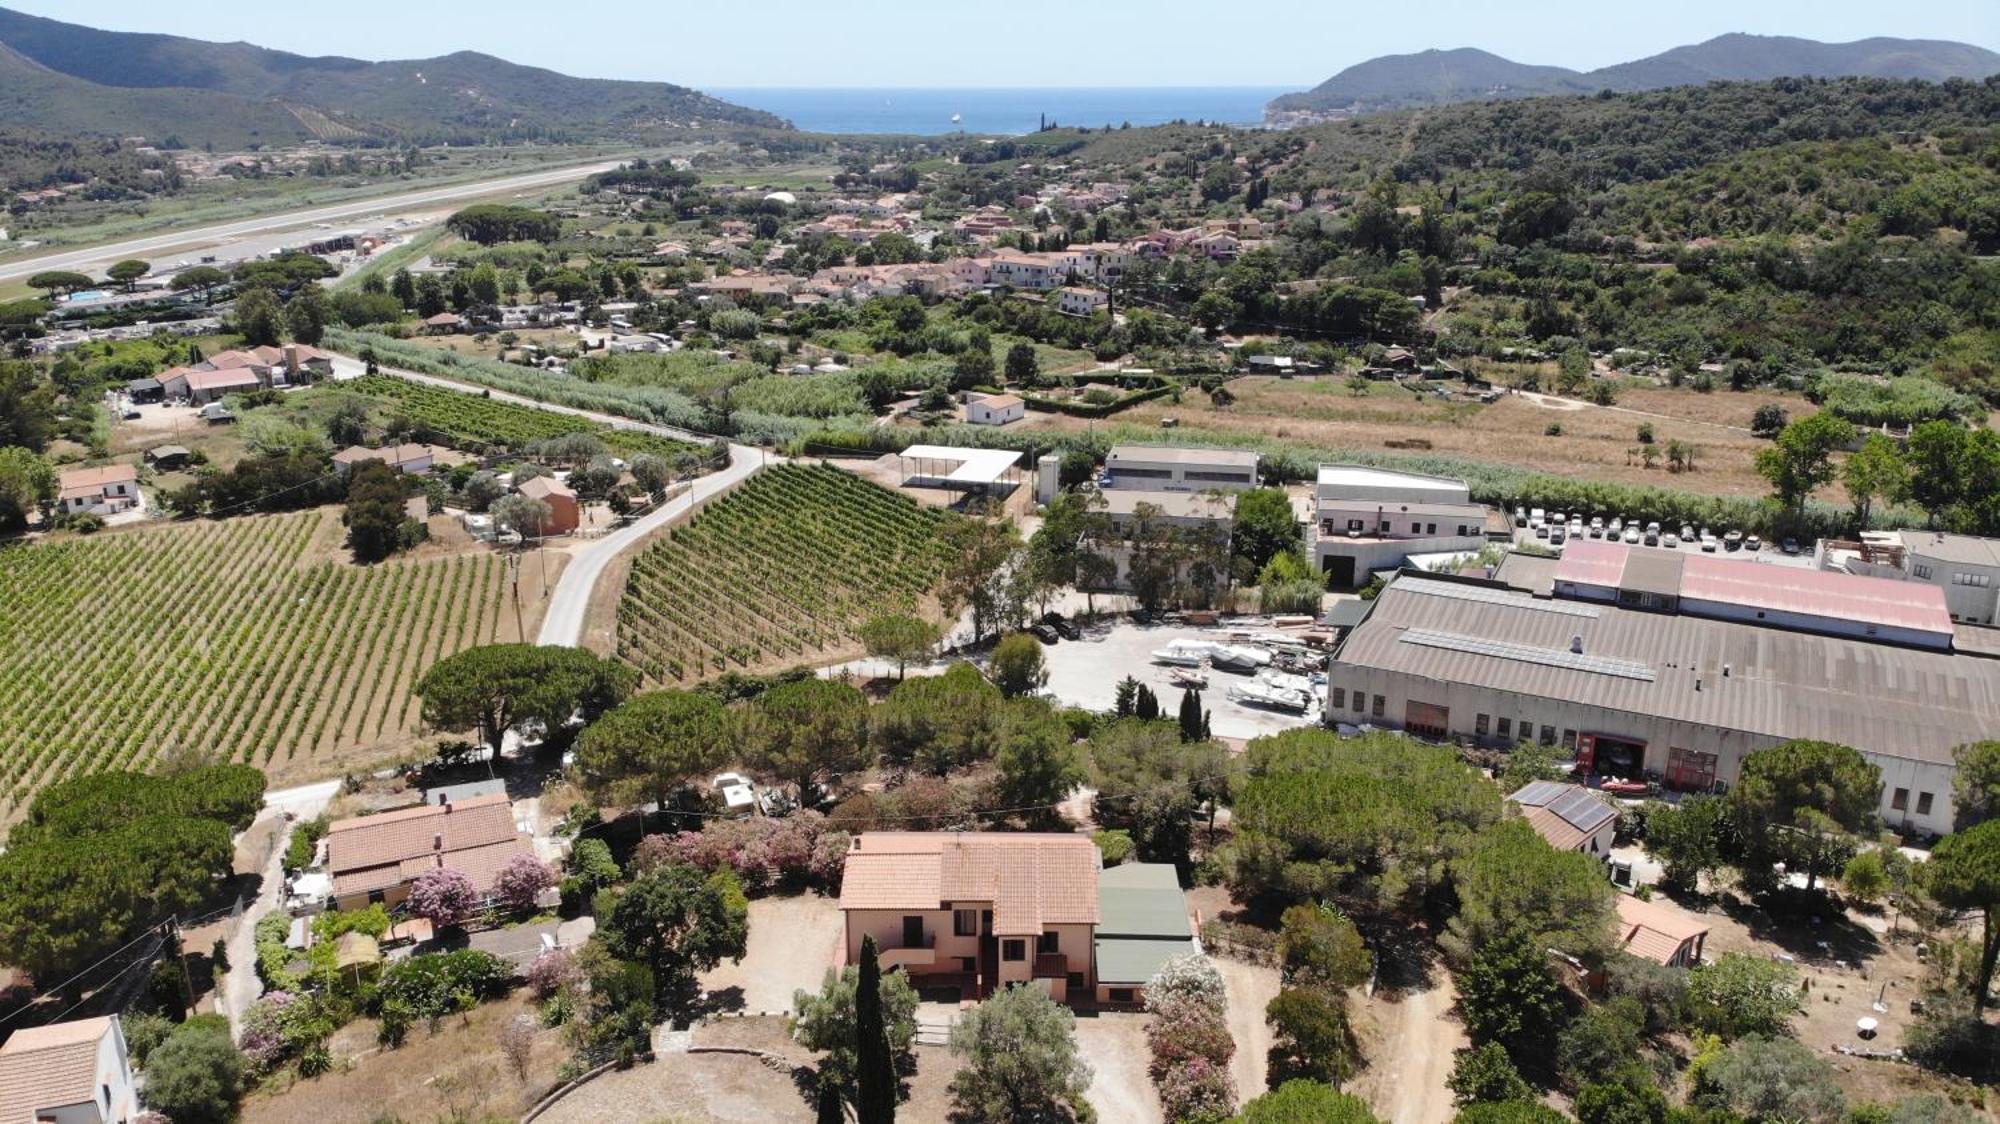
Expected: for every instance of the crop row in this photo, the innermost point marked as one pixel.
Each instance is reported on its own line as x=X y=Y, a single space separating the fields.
x=229 y=639
x=474 y=422
x=781 y=570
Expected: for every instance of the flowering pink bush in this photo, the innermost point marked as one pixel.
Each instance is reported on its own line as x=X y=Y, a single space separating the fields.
x=1185 y=1030
x=551 y=971
x=762 y=852
x=443 y=896
x=264 y=1042
x=1198 y=1090
x=521 y=881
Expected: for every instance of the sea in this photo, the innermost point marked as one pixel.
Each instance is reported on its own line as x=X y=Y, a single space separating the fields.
x=1008 y=112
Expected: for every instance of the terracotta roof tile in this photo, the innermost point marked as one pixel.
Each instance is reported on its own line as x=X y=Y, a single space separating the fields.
x=1033 y=880
x=1653 y=931
x=475 y=837
x=47 y=1067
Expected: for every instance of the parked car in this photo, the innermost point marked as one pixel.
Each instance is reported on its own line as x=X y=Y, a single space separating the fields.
x=1708 y=543
x=739 y=796
x=1045 y=633
x=1651 y=538
x=1790 y=546
x=1670 y=540
x=1520 y=517
x=1541 y=530
x=1733 y=540
x=1617 y=526
x=1687 y=532
x=1753 y=543
x=1558 y=535
x=1631 y=536
x=1063 y=625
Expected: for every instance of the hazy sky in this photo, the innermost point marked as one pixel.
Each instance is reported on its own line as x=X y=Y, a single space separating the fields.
x=1293 y=43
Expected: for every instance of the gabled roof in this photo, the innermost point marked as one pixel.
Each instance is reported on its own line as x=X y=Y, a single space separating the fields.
x=1654 y=932
x=1142 y=901
x=47 y=1067
x=222 y=379
x=231 y=360
x=541 y=487
x=1032 y=880
x=475 y=837
x=92 y=479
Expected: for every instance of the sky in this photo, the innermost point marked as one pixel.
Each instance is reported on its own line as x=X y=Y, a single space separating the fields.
x=955 y=43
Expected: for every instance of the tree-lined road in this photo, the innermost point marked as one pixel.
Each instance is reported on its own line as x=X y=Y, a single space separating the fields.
x=96 y=258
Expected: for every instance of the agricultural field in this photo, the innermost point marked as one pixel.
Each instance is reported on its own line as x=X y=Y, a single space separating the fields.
x=240 y=638
x=1597 y=442
x=471 y=422
x=777 y=574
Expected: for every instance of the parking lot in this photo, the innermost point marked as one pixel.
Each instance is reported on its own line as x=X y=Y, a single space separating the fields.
x=1771 y=552
x=1086 y=672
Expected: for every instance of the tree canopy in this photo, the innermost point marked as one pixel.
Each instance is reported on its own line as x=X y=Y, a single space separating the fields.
x=648 y=745
x=1018 y=1059
x=492 y=223
x=498 y=687
x=1799 y=804
x=677 y=921
x=1510 y=879
x=1964 y=873
x=807 y=728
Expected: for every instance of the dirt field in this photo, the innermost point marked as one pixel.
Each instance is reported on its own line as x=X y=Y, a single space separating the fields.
x=793 y=941
x=1113 y=1044
x=457 y=1073
x=1408 y=1040
x=1251 y=989
x=685 y=1089
x=1595 y=440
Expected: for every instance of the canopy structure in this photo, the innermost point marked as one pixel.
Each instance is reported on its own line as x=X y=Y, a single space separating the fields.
x=992 y=471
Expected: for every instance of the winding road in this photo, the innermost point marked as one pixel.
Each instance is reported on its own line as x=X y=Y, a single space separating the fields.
x=95 y=258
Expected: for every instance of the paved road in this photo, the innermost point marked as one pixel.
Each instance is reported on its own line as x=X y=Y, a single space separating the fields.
x=98 y=257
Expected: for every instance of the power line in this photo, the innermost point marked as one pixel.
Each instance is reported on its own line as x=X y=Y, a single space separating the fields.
x=150 y=930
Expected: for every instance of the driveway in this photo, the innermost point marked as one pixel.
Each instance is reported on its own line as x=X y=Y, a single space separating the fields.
x=241 y=987
x=793 y=941
x=1113 y=1044
x=1250 y=988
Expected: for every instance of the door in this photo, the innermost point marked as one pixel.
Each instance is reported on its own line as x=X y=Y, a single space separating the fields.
x=913 y=932
x=1339 y=571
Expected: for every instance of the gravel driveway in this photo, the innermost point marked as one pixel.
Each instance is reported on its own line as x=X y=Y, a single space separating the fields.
x=1113 y=1044
x=793 y=941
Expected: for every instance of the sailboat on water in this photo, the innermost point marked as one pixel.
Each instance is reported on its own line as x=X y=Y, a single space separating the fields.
x=956 y=118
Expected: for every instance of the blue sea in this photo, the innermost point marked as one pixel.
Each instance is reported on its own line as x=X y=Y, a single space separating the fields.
x=1003 y=111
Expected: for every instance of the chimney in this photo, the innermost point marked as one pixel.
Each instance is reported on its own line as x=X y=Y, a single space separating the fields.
x=1725 y=671
x=437 y=841
x=291 y=359
x=1576 y=643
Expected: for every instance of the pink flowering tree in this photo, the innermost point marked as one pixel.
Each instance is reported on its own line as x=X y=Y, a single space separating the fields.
x=444 y=897
x=521 y=881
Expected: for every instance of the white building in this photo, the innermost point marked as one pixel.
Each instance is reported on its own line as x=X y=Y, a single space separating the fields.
x=1965 y=567
x=1179 y=468
x=1072 y=301
x=995 y=409
x=1369 y=519
x=67 y=1073
x=106 y=490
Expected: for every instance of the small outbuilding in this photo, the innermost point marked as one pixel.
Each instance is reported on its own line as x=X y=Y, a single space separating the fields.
x=167 y=458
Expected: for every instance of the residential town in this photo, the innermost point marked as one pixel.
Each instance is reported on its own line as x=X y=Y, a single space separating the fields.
x=619 y=608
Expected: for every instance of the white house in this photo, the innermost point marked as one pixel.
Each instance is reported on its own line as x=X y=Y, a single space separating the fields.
x=1179 y=468
x=1371 y=519
x=1081 y=302
x=67 y=1073
x=408 y=458
x=100 y=491
x=995 y=409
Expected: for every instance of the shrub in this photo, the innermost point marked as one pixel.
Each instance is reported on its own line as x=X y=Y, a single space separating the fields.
x=1192 y=977
x=1183 y=1030
x=521 y=881
x=1115 y=845
x=1199 y=1090
x=196 y=1075
x=1486 y=1075
x=1311 y=1035
x=1741 y=995
x=443 y=896
x=1776 y=1079
x=443 y=983
x=1601 y=1044
x=552 y=971
x=763 y=853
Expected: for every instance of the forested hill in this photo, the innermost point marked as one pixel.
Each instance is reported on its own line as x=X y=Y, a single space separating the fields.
x=1444 y=77
x=68 y=78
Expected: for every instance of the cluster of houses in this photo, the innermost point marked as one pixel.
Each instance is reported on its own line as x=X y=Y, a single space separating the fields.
x=234 y=372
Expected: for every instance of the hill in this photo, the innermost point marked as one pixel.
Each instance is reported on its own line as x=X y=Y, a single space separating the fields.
x=64 y=77
x=1443 y=77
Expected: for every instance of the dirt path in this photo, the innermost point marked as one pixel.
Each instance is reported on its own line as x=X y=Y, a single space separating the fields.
x=1251 y=988
x=1406 y=1074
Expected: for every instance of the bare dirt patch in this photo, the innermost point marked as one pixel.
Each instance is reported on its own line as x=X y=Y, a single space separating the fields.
x=793 y=942
x=1113 y=1044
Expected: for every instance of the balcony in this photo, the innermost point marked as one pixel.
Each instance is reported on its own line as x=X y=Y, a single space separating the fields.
x=1051 y=965
x=910 y=956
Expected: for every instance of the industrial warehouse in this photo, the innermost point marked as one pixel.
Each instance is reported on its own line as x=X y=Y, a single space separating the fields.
x=1656 y=666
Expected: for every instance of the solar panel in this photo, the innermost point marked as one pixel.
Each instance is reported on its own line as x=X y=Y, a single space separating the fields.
x=1528 y=653
x=1581 y=810
x=1486 y=596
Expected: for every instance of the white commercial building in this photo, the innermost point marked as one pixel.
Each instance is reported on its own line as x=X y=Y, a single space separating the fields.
x=1369 y=519
x=1179 y=468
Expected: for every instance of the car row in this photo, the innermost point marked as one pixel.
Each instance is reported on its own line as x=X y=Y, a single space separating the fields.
x=1558 y=528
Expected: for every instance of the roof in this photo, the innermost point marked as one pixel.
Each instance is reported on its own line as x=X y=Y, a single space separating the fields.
x=1883 y=698
x=975 y=466
x=541 y=487
x=1033 y=880
x=1174 y=505
x=162 y=452
x=1888 y=602
x=1531 y=573
x=1142 y=900
x=236 y=360
x=1348 y=613
x=143 y=384
x=221 y=380
x=1000 y=401
x=1361 y=476
x=1652 y=931
x=475 y=837
x=46 y=1067
x=389 y=454
x=443 y=318
x=1125 y=961
x=1181 y=454
x=1966 y=550
x=1563 y=814
x=93 y=479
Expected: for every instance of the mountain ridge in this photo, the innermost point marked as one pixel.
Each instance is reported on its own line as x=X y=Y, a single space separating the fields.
x=73 y=78
x=1441 y=77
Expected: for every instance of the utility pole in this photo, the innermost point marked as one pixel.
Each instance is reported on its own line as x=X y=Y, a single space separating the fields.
x=514 y=578
x=187 y=979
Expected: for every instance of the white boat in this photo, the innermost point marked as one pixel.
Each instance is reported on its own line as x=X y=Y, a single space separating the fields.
x=1186 y=653
x=1187 y=677
x=1284 y=681
x=955 y=118
x=1257 y=693
x=1239 y=657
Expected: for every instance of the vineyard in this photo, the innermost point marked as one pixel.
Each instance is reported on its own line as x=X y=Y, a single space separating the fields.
x=779 y=572
x=473 y=423
x=228 y=638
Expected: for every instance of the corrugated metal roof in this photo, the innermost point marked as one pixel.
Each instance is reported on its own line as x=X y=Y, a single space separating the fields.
x=1485 y=594
x=1893 y=700
x=1181 y=454
x=1142 y=900
x=1121 y=961
x=1968 y=550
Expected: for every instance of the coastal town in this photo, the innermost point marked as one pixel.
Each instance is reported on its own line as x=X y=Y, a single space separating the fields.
x=1472 y=609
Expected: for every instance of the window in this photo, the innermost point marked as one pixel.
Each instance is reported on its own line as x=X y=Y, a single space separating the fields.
x=1050 y=945
x=1360 y=700
x=1013 y=951
x=964 y=922
x=1073 y=979
x=1977 y=581
x=1356 y=525
x=1339 y=698
x=1482 y=725
x=1416 y=528
x=1384 y=526
x=1430 y=528
x=1923 y=803
x=375 y=897
x=1900 y=802
x=1121 y=995
x=1506 y=727
x=1569 y=739
x=1381 y=704
x=1548 y=735
x=1922 y=571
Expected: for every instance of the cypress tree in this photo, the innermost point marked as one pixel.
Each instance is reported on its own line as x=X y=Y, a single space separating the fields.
x=875 y=1102
x=829 y=1110
x=1147 y=705
x=1191 y=723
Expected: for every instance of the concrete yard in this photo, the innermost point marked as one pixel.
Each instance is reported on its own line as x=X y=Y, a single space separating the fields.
x=1086 y=672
